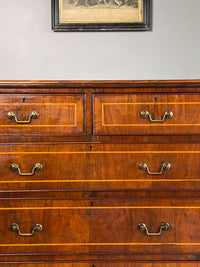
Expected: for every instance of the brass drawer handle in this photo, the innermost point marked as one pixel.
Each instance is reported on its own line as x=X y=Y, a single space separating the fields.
x=166 y=166
x=167 y=115
x=16 y=228
x=33 y=115
x=15 y=167
x=163 y=227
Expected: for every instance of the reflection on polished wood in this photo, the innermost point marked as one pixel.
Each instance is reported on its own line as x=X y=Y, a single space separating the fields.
x=90 y=140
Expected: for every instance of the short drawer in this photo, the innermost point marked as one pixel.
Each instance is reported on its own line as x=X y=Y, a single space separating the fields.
x=98 y=166
x=146 y=114
x=42 y=114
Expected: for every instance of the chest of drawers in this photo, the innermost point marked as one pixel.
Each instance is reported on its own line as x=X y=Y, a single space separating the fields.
x=100 y=173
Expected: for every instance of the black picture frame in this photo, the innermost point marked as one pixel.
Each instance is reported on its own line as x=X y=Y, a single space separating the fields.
x=145 y=25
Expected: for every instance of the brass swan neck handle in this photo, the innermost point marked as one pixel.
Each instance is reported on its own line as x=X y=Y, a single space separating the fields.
x=167 y=115
x=165 y=166
x=16 y=228
x=12 y=116
x=15 y=167
x=163 y=227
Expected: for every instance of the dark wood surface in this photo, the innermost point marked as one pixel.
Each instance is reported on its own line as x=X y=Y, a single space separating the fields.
x=100 y=166
x=116 y=114
x=91 y=194
x=77 y=227
x=58 y=114
x=128 y=264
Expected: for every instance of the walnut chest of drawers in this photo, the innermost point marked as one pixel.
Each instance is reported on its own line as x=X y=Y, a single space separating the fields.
x=100 y=173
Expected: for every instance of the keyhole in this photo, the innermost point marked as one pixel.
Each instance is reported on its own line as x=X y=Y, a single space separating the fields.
x=24 y=99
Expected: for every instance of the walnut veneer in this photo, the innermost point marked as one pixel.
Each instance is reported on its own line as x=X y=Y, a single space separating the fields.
x=91 y=163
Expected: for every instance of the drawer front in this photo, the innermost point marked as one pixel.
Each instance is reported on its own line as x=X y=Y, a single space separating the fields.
x=144 y=230
x=146 y=114
x=42 y=114
x=126 y=225
x=35 y=225
x=82 y=229
x=99 y=166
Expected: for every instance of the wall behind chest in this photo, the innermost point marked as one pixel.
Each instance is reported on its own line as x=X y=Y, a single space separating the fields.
x=29 y=50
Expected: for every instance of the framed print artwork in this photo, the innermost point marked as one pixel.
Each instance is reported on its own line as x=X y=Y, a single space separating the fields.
x=101 y=15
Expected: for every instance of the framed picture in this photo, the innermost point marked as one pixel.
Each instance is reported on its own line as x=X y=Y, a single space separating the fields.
x=101 y=15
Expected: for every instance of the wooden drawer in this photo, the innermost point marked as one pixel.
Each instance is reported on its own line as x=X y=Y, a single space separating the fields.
x=129 y=114
x=125 y=225
x=139 y=230
x=58 y=225
x=98 y=166
x=73 y=230
x=42 y=114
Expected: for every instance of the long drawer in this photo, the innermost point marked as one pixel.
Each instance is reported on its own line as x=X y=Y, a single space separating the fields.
x=146 y=114
x=42 y=114
x=98 y=166
x=122 y=227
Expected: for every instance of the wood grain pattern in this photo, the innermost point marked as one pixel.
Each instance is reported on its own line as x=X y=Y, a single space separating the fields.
x=108 y=166
x=59 y=226
x=99 y=84
x=57 y=114
x=136 y=264
x=127 y=264
x=116 y=114
x=63 y=264
x=91 y=195
x=79 y=227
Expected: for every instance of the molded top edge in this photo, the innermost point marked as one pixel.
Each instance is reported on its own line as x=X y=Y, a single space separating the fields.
x=98 y=83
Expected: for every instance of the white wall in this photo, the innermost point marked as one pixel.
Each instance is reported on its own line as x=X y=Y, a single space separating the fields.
x=30 y=50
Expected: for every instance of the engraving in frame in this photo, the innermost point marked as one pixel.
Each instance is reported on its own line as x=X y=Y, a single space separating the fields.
x=97 y=15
